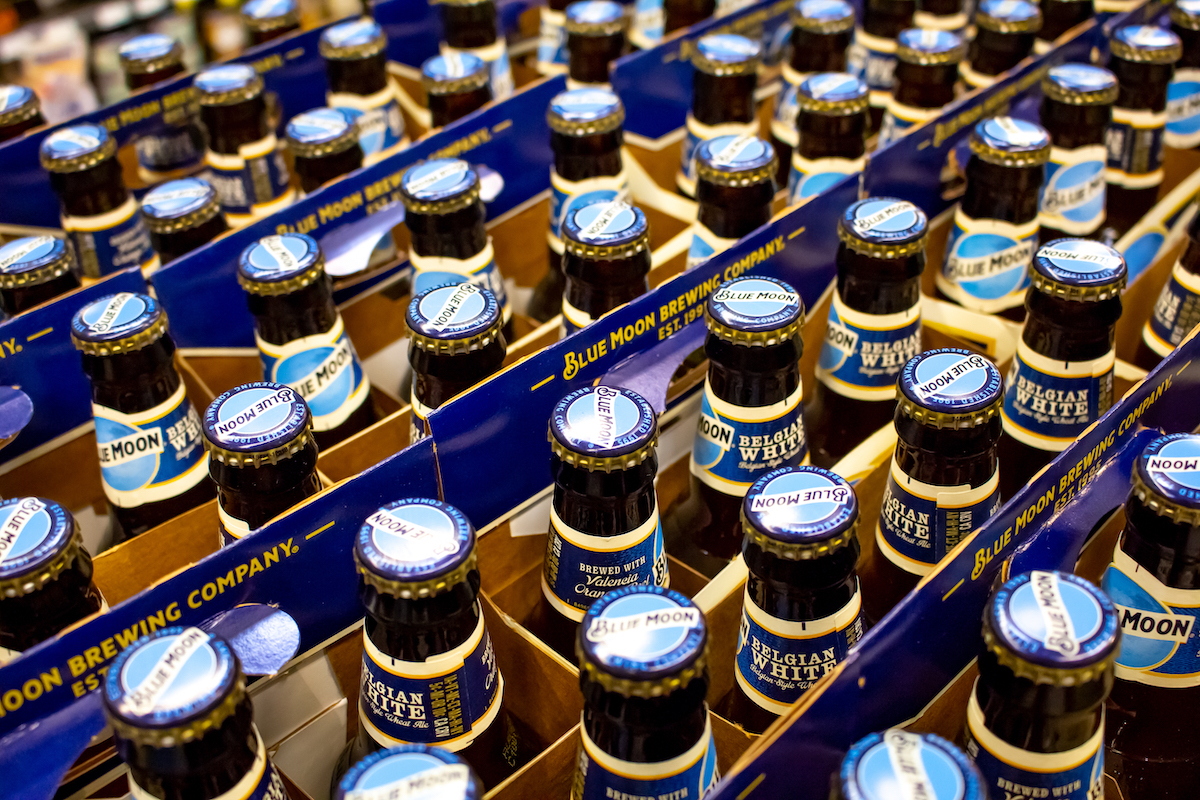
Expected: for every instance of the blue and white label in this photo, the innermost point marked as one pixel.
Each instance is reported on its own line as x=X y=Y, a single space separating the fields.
x=649 y=21
x=151 y=455
x=873 y=59
x=987 y=262
x=495 y=55
x=1047 y=403
x=787 y=107
x=1176 y=312
x=112 y=241
x=600 y=776
x=1135 y=148
x=480 y=269
x=705 y=244
x=863 y=354
x=252 y=184
x=697 y=133
x=552 y=42
x=1183 y=109
x=170 y=150
x=811 y=177
x=171 y=673
x=567 y=197
x=380 y=123
x=261 y=782
x=1074 y=193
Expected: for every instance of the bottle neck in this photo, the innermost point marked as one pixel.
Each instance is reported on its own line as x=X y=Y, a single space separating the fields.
x=947 y=457
x=992 y=52
x=135 y=381
x=1060 y=17
x=578 y=158
x=718 y=100
x=753 y=376
x=928 y=86
x=17 y=128
x=596 y=286
x=21 y=298
x=1170 y=551
x=831 y=136
x=1191 y=47
x=360 y=76
x=589 y=56
x=233 y=126
x=171 y=246
x=136 y=81
x=1065 y=330
x=438 y=378
x=801 y=590
x=90 y=192
x=316 y=172
x=469 y=26
x=283 y=318
x=1072 y=126
x=1143 y=87
x=685 y=13
x=645 y=730
x=258 y=37
x=732 y=212
x=879 y=286
x=604 y=503
x=256 y=495
x=886 y=18
x=460 y=234
x=1190 y=259
x=32 y=618
x=1008 y=194
x=819 y=52
x=418 y=629
x=446 y=108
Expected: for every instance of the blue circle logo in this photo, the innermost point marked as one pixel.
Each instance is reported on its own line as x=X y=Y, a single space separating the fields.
x=269 y=9
x=909 y=764
x=951 y=380
x=752 y=304
x=454 y=311
x=226 y=78
x=728 y=48
x=115 y=316
x=599 y=420
x=886 y=219
x=1010 y=133
x=595 y=12
x=1171 y=466
x=1080 y=262
x=1147 y=37
x=449 y=66
x=30 y=252
x=643 y=631
x=1082 y=77
x=834 y=87
x=176 y=198
x=1054 y=618
x=75 y=141
x=318 y=125
x=415 y=534
x=584 y=105
x=439 y=179
x=355 y=32
x=928 y=40
x=170 y=673
x=14 y=97
x=31 y=529
x=256 y=416
x=801 y=501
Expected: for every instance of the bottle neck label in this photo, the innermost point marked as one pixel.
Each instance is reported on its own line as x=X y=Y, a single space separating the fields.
x=972 y=77
x=261 y=782
x=1183 y=109
x=920 y=523
x=1048 y=403
x=323 y=369
x=783 y=124
x=1135 y=148
x=811 y=177
x=252 y=184
x=231 y=527
x=112 y=241
x=1160 y=626
x=778 y=660
x=150 y=455
x=380 y=123
x=1074 y=195
x=573 y=319
x=170 y=151
x=987 y=262
x=705 y=244
x=1115 y=6
x=726 y=7
x=495 y=55
x=418 y=422
x=600 y=775
x=567 y=197
x=873 y=59
x=734 y=445
x=1075 y=774
x=447 y=700
x=649 y=21
x=863 y=353
x=552 y=43
x=697 y=133
x=955 y=23
x=1176 y=312
x=900 y=117
x=480 y=269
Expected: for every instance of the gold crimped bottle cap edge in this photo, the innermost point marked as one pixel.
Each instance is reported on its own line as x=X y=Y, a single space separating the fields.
x=457 y=85
x=453 y=347
x=273 y=288
x=418 y=590
x=797 y=551
x=648 y=688
x=602 y=463
x=589 y=28
x=339 y=144
x=233 y=96
x=47 y=272
x=987 y=22
x=588 y=127
x=1139 y=55
x=351 y=52
x=736 y=178
x=263 y=24
x=1080 y=294
x=37 y=578
x=840 y=108
x=183 y=222
x=606 y=252
x=136 y=341
x=882 y=249
x=826 y=26
x=924 y=58
x=1061 y=94
x=79 y=163
x=724 y=69
x=1008 y=158
x=190 y=732
x=769 y=338
x=1037 y=673
x=260 y=458
x=944 y=420
x=148 y=66
x=446 y=206
x=1180 y=17
x=1153 y=499
x=12 y=116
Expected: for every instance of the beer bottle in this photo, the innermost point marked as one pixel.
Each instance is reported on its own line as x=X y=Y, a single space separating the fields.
x=456 y=340
x=411 y=770
x=986 y=267
x=1036 y=715
x=927 y=62
x=874 y=324
x=832 y=123
x=20 y=110
x=1143 y=59
x=301 y=336
x=586 y=136
x=261 y=454
x=34 y=269
x=821 y=33
x=149 y=59
x=183 y=722
x=152 y=464
x=325 y=146
x=455 y=84
x=802 y=605
x=752 y=394
x=606 y=261
x=1061 y=378
x=944 y=480
x=1076 y=111
x=1058 y=17
x=98 y=213
x=648 y=23
x=735 y=183
x=604 y=524
x=595 y=38
x=898 y=765
x=267 y=20
x=471 y=26
x=724 y=78
x=45 y=574
x=424 y=639
x=678 y=14
x=245 y=164
x=450 y=244
x=643 y=670
x=552 y=38
x=355 y=54
x=1153 y=747
x=872 y=57
x=1178 y=308
x=182 y=216
x=175 y=146
x=1005 y=32
x=941 y=15
x=1183 y=92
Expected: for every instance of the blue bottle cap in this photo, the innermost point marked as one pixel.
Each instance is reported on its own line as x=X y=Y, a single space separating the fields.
x=76 y=148
x=584 y=112
x=454 y=319
x=950 y=388
x=1079 y=270
x=1186 y=14
x=439 y=186
x=256 y=424
x=755 y=311
x=884 y=227
x=269 y=15
x=281 y=264
x=1008 y=16
x=594 y=18
x=174 y=678
x=1166 y=477
x=1146 y=44
x=321 y=132
x=38 y=539
x=1010 y=142
x=724 y=54
x=833 y=94
x=1052 y=627
x=603 y=428
x=1080 y=85
x=118 y=323
x=150 y=52
x=800 y=512
x=736 y=160
x=895 y=764
x=33 y=260
x=227 y=84
x=928 y=46
x=180 y=205
x=415 y=548
x=353 y=39
x=606 y=230
x=635 y=639
x=411 y=770
x=17 y=104
x=453 y=73
x=823 y=16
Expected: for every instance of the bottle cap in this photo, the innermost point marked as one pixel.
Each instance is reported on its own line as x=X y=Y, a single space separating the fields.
x=354 y=39
x=1052 y=627
x=180 y=205
x=77 y=148
x=17 y=104
x=603 y=428
x=38 y=540
x=1146 y=44
x=723 y=54
x=281 y=264
x=1011 y=142
x=454 y=73
x=415 y=548
x=755 y=311
x=823 y=16
x=270 y=15
x=836 y=94
x=585 y=112
x=1079 y=270
x=927 y=47
x=594 y=18
x=643 y=641
x=1186 y=14
x=950 y=388
x=1008 y=16
x=227 y=85
x=33 y=260
x=606 y=230
x=884 y=227
x=150 y=53
x=411 y=770
x=440 y=186
x=800 y=513
x=454 y=319
x=256 y=424
x=322 y=132
x=1166 y=477
x=736 y=160
x=1080 y=85
x=118 y=323
x=895 y=763
x=172 y=687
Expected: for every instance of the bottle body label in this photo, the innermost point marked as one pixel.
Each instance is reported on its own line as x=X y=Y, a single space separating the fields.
x=253 y=183
x=569 y=196
x=778 y=660
x=705 y=244
x=552 y=42
x=1176 y=312
x=480 y=269
x=873 y=59
x=863 y=354
x=599 y=775
x=1160 y=626
x=734 y=445
x=1135 y=147
x=697 y=133
x=649 y=22
x=787 y=107
x=261 y=782
x=447 y=700
x=380 y=123
x=810 y=177
x=987 y=262
x=112 y=241
x=1183 y=109
x=323 y=369
x=1075 y=191
x=495 y=55
x=170 y=150
x=151 y=455
x=1047 y=404
x=899 y=118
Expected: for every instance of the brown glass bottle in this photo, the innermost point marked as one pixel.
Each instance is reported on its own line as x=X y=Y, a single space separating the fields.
x=20 y=111
x=34 y=269
x=873 y=55
x=735 y=184
x=1058 y=17
x=685 y=13
x=606 y=260
x=324 y=143
x=1178 y=308
x=926 y=75
x=1182 y=132
x=267 y=20
x=832 y=121
x=455 y=84
x=1005 y=32
x=182 y=216
x=175 y=146
x=355 y=54
x=473 y=26
x=595 y=38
